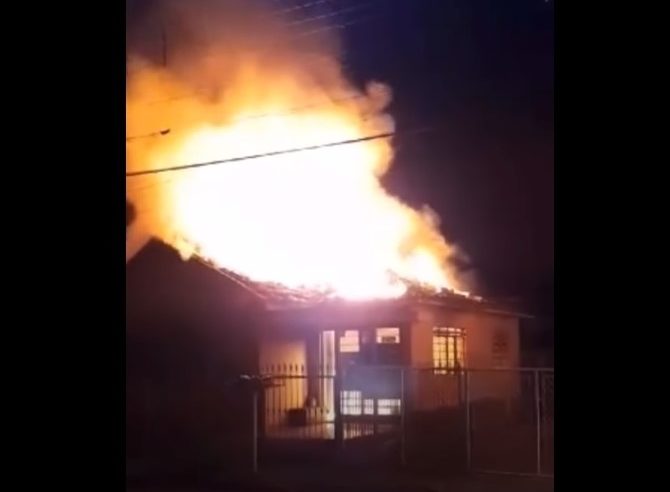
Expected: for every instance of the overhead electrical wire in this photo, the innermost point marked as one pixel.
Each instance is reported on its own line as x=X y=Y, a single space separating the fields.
x=258 y=156
x=268 y=154
x=306 y=20
x=293 y=110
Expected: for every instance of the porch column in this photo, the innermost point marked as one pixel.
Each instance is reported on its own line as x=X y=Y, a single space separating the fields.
x=339 y=425
x=312 y=345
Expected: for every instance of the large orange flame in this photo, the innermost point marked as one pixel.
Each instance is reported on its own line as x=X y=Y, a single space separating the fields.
x=318 y=219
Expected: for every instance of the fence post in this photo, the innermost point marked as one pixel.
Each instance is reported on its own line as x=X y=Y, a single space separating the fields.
x=254 y=432
x=538 y=427
x=337 y=386
x=468 y=433
x=403 y=408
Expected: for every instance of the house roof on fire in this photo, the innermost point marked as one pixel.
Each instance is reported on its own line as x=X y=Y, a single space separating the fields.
x=277 y=297
x=280 y=297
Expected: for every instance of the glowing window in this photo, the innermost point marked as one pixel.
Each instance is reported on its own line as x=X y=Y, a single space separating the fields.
x=448 y=349
x=388 y=406
x=351 y=402
x=388 y=335
x=368 y=406
x=349 y=342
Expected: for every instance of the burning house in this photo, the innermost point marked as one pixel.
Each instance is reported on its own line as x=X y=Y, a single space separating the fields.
x=280 y=252
x=340 y=369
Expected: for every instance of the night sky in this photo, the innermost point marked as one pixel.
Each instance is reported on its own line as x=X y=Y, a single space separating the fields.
x=480 y=74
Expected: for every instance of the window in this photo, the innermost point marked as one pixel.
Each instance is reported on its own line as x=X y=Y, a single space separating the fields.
x=500 y=348
x=388 y=335
x=351 y=402
x=448 y=349
x=387 y=349
x=349 y=342
x=368 y=406
x=388 y=406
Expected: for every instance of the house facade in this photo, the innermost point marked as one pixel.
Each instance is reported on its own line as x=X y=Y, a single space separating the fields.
x=372 y=360
x=337 y=370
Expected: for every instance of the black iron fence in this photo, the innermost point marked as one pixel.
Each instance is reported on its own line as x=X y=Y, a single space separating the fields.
x=297 y=405
x=509 y=415
x=494 y=420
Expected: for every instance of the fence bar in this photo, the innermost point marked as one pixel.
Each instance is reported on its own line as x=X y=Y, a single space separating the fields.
x=403 y=409
x=468 y=433
x=513 y=474
x=538 y=426
x=337 y=384
x=254 y=415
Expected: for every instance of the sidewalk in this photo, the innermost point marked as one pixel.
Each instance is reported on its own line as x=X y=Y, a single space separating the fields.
x=338 y=479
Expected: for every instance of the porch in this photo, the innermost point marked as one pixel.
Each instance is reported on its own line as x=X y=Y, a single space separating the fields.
x=346 y=383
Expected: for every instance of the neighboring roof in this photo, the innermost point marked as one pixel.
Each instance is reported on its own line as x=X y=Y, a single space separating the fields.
x=279 y=297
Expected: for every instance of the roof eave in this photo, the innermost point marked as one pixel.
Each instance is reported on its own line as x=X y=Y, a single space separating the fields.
x=470 y=304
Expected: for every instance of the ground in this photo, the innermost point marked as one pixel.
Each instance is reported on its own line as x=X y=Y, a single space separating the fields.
x=331 y=479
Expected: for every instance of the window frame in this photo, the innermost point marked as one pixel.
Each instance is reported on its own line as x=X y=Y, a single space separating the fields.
x=448 y=345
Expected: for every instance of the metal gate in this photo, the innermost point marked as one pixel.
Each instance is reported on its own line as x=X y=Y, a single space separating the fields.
x=482 y=420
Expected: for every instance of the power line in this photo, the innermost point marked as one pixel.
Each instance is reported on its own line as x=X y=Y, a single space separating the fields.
x=198 y=93
x=304 y=33
x=301 y=6
x=293 y=110
x=298 y=35
x=258 y=156
x=159 y=133
x=335 y=13
x=339 y=26
x=298 y=109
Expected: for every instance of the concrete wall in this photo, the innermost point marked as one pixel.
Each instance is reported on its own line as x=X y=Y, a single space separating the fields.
x=283 y=356
x=491 y=342
x=482 y=331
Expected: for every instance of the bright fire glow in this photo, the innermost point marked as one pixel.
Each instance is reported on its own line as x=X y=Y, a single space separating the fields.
x=318 y=219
